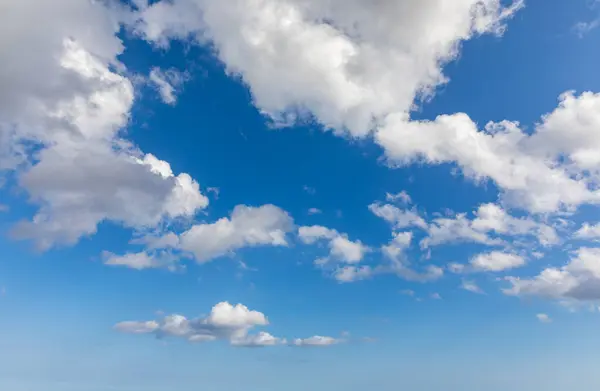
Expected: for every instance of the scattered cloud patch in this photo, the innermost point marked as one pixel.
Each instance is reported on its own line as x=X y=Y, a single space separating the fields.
x=232 y=323
x=544 y=318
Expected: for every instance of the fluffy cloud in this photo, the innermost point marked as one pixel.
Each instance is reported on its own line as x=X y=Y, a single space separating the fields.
x=228 y=322
x=489 y=218
x=266 y=225
x=338 y=59
x=398 y=263
x=247 y=226
x=142 y=260
x=61 y=116
x=496 y=261
x=551 y=169
x=399 y=218
x=341 y=248
x=167 y=83
x=588 y=232
x=359 y=69
x=578 y=280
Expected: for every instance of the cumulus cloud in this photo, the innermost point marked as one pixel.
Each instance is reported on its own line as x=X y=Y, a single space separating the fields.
x=496 y=261
x=578 y=280
x=168 y=83
x=398 y=263
x=402 y=197
x=360 y=68
x=338 y=59
x=341 y=249
x=62 y=110
x=489 y=219
x=227 y=322
x=588 y=232
x=247 y=226
x=545 y=171
x=397 y=217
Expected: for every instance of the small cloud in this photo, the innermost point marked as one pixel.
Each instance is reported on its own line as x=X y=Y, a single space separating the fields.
x=436 y=296
x=309 y=190
x=214 y=190
x=407 y=292
x=544 y=318
x=4 y=208
x=471 y=286
x=369 y=339
x=403 y=197
x=2 y=291
x=314 y=211
x=583 y=28
x=168 y=83
x=339 y=214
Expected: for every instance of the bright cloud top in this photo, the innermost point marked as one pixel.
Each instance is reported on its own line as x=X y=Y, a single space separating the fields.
x=226 y=322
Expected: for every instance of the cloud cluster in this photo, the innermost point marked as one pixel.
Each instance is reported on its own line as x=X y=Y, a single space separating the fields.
x=341 y=249
x=62 y=111
x=226 y=322
x=247 y=226
x=578 y=280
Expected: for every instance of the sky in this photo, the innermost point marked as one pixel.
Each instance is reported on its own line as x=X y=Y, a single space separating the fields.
x=260 y=195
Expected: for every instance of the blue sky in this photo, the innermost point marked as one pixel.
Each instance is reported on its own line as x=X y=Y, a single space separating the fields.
x=290 y=194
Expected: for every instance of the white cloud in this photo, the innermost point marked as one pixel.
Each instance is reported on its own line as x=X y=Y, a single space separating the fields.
x=341 y=248
x=544 y=318
x=142 y=260
x=167 y=83
x=62 y=109
x=436 y=296
x=408 y=292
x=312 y=234
x=541 y=172
x=578 y=280
x=395 y=253
x=317 y=340
x=489 y=218
x=588 y=232
x=314 y=211
x=346 y=62
x=133 y=327
x=347 y=250
x=266 y=225
x=347 y=274
x=228 y=322
x=397 y=217
x=403 y=197
x=379 y=61
x=496 y=261
x=471 y=286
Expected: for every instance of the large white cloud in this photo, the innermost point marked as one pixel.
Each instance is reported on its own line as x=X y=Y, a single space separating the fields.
x=361 y=66
x=266 y=225
x=542 y=172
x=228 y=322
x=63 y=106
x=488 y=219
x=578 y=280
x=348 y=62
